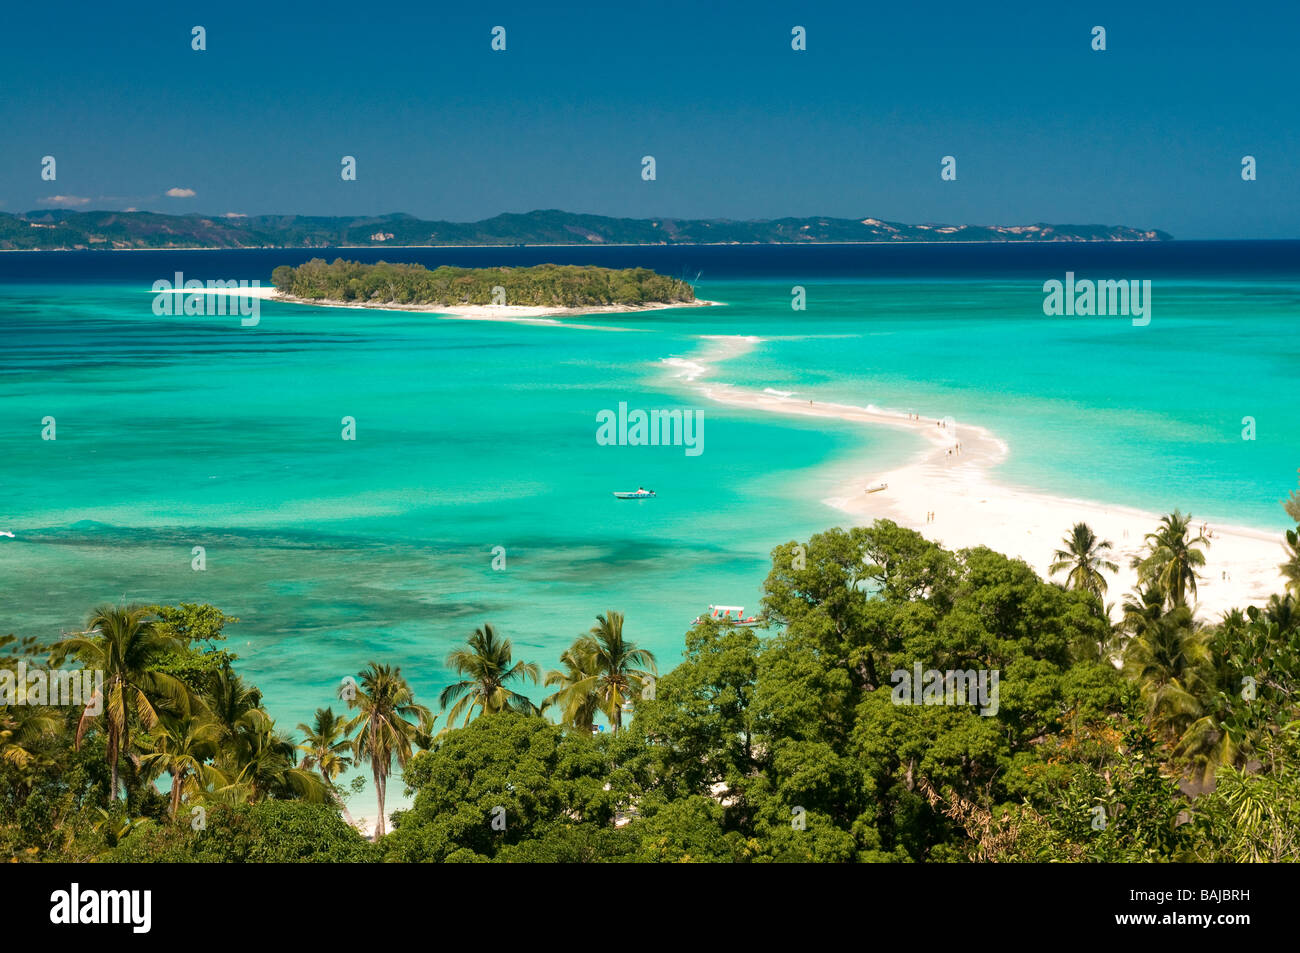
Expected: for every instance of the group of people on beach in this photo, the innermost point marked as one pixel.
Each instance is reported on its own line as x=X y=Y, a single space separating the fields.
x=953 y=451
x=929 y=517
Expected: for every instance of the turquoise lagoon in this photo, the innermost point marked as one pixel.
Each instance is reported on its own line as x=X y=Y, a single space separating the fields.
x=175 y=432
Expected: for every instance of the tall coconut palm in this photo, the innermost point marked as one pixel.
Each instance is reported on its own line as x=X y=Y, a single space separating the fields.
x=388 y=721
x=489 y=669
x=576 y=697
x=620 y=669
x=1172 y=558
x=123 y=643
x=1084 y=557
x=325 y=747
x=182 y=746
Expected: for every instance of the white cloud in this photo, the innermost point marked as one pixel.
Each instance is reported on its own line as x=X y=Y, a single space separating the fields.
x=67 y=201
x=180 y=193
x=234 y=215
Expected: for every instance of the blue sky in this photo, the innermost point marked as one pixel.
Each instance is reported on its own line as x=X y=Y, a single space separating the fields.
x=1149 y=133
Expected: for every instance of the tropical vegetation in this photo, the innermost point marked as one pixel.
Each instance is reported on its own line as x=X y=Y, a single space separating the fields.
x=568 y=286
x=1157 y=735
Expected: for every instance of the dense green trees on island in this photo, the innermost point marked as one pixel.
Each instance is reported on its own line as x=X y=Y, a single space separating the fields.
x=560 y=286
x=1158 y=737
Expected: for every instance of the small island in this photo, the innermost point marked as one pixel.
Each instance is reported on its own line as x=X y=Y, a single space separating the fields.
x=522 y=292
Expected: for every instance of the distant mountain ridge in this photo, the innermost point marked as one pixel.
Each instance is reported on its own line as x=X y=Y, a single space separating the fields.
x=63 y=229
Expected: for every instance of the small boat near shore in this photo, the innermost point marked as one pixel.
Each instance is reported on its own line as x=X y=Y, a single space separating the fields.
x=640 y=493
x=722 y=616
x=878 y=487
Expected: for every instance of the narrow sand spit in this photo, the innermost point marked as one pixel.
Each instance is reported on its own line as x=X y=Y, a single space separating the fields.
x=971 y=508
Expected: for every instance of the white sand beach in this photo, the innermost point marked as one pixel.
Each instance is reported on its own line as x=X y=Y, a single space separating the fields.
x=971 y=508
x=519 y=314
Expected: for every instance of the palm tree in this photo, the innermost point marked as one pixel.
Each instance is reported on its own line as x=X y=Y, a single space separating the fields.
x=1282 y=611
x=182 y=746
x=619 y=668
x=1172 y=558
x=1169 y=659
x=387 y=721
x=114 y=827
x=1291 y=568
x=25 y=731
x=576 y=697
x=1084 y=556
x=254 y=760
x=324 y=747
x=235 y=705
x=264 y=762
x=487 y=665
x=123 y=643
x=236 y=710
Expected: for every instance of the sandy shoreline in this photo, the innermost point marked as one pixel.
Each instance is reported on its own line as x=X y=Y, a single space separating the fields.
x=519 y=314
x=971 y=508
